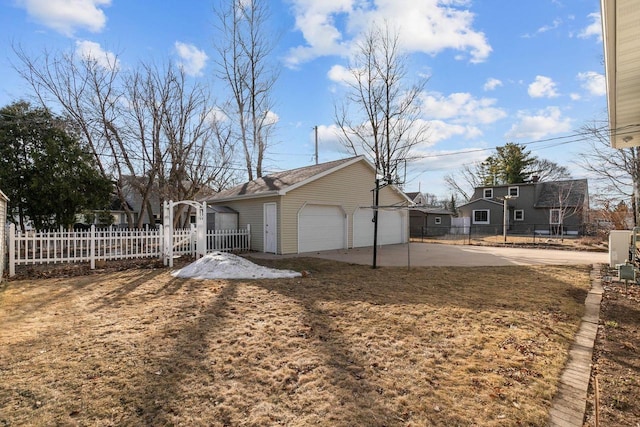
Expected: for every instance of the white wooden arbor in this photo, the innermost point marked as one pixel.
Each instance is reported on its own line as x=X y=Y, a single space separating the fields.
x=167 y=224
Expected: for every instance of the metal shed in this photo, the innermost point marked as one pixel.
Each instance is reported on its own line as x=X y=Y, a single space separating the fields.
x=221 y=218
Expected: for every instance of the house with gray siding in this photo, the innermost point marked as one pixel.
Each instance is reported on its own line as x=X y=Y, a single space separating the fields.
x=543 y=208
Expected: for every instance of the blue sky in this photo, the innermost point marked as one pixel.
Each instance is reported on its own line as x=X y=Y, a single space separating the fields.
x=527 y=71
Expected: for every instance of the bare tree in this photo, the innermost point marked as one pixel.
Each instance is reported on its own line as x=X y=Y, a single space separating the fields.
x=244 y=45
x=616 y=170
x=546 y=170
x=570 y=199
x=380 y=115
x=150 y=130
x=463 y=182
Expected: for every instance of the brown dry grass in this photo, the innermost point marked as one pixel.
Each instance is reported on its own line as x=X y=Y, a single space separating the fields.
x=345 y=346
x=571 y=243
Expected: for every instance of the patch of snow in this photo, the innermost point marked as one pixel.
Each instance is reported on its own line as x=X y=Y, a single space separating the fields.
x=220 y=265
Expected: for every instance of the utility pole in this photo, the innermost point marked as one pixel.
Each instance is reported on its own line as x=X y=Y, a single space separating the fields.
x=316 y=130
x=375 y=223
x=505 y=217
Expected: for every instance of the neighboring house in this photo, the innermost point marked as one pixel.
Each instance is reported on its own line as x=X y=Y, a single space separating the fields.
x=534 y=207
x=153 y=212
x=4 y=200
x=319 y=207
x=417 y=198
x=425 y=221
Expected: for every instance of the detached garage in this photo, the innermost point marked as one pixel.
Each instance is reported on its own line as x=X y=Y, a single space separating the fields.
x=316 y=208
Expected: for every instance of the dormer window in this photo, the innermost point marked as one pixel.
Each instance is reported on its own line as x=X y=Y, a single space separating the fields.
x=514 y=191
x=487 y=193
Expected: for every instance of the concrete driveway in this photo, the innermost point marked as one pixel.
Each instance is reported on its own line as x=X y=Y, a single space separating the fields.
x=429 y=254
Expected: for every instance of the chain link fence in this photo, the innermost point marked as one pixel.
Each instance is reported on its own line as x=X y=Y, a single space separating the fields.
x=516 y=233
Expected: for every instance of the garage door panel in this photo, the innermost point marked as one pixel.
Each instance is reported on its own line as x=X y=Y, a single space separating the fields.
x=320 y=228
x=390 y=227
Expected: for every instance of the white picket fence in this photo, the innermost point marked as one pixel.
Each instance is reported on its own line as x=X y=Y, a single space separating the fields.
x=47 y=247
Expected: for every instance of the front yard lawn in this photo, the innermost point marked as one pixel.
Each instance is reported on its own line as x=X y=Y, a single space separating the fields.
x=344 y=346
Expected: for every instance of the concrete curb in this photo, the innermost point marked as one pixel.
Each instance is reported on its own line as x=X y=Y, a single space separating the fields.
x=569 y=404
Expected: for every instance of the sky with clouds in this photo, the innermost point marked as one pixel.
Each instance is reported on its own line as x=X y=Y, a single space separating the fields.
x=511 y=71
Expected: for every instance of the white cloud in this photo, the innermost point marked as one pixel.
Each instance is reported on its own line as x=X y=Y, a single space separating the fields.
x=192 y=60
x=593 y=82
x=86 y=49
x=330 y=27
x=217 y=114
x=545 y=28
x=594 y=29
x=328 y=140
x=271 y=118
x=539 y=125
x=556 y=23
x=491 y=84
x=461 y=108
x=67 y=16
x=575 y=96
x=542 y=87
x=340 y=74
x=440 y=130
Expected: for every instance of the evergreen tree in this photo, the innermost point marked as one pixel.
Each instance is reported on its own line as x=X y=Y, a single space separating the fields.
x=44 y=170
x=489 y=171
x=514 y=163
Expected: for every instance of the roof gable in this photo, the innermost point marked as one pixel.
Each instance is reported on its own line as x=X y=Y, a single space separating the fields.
x=480 y=199
x=281 y=183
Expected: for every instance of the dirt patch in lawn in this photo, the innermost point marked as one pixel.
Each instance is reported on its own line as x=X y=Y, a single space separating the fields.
x=616 y=359
x=344 y=346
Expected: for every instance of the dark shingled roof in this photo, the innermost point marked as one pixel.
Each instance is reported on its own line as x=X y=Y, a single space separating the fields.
x=432 y=211
x=280 y=180
x=412 y=195
x=571 y=193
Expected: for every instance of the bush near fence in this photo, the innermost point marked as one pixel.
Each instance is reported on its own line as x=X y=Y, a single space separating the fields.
x=59 y=246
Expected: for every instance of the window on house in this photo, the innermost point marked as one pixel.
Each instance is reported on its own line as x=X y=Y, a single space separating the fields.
x=488 y=193
x=481 y=216
x=514 y=191
x=555 y=217
x=518 y=215
x=438 y=220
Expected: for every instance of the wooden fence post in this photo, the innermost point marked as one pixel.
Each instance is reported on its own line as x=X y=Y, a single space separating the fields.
x=12 y=250
x=92 y=251
x=249 y=237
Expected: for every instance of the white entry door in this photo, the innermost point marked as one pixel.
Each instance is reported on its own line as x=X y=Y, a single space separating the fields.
x=270 y=228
